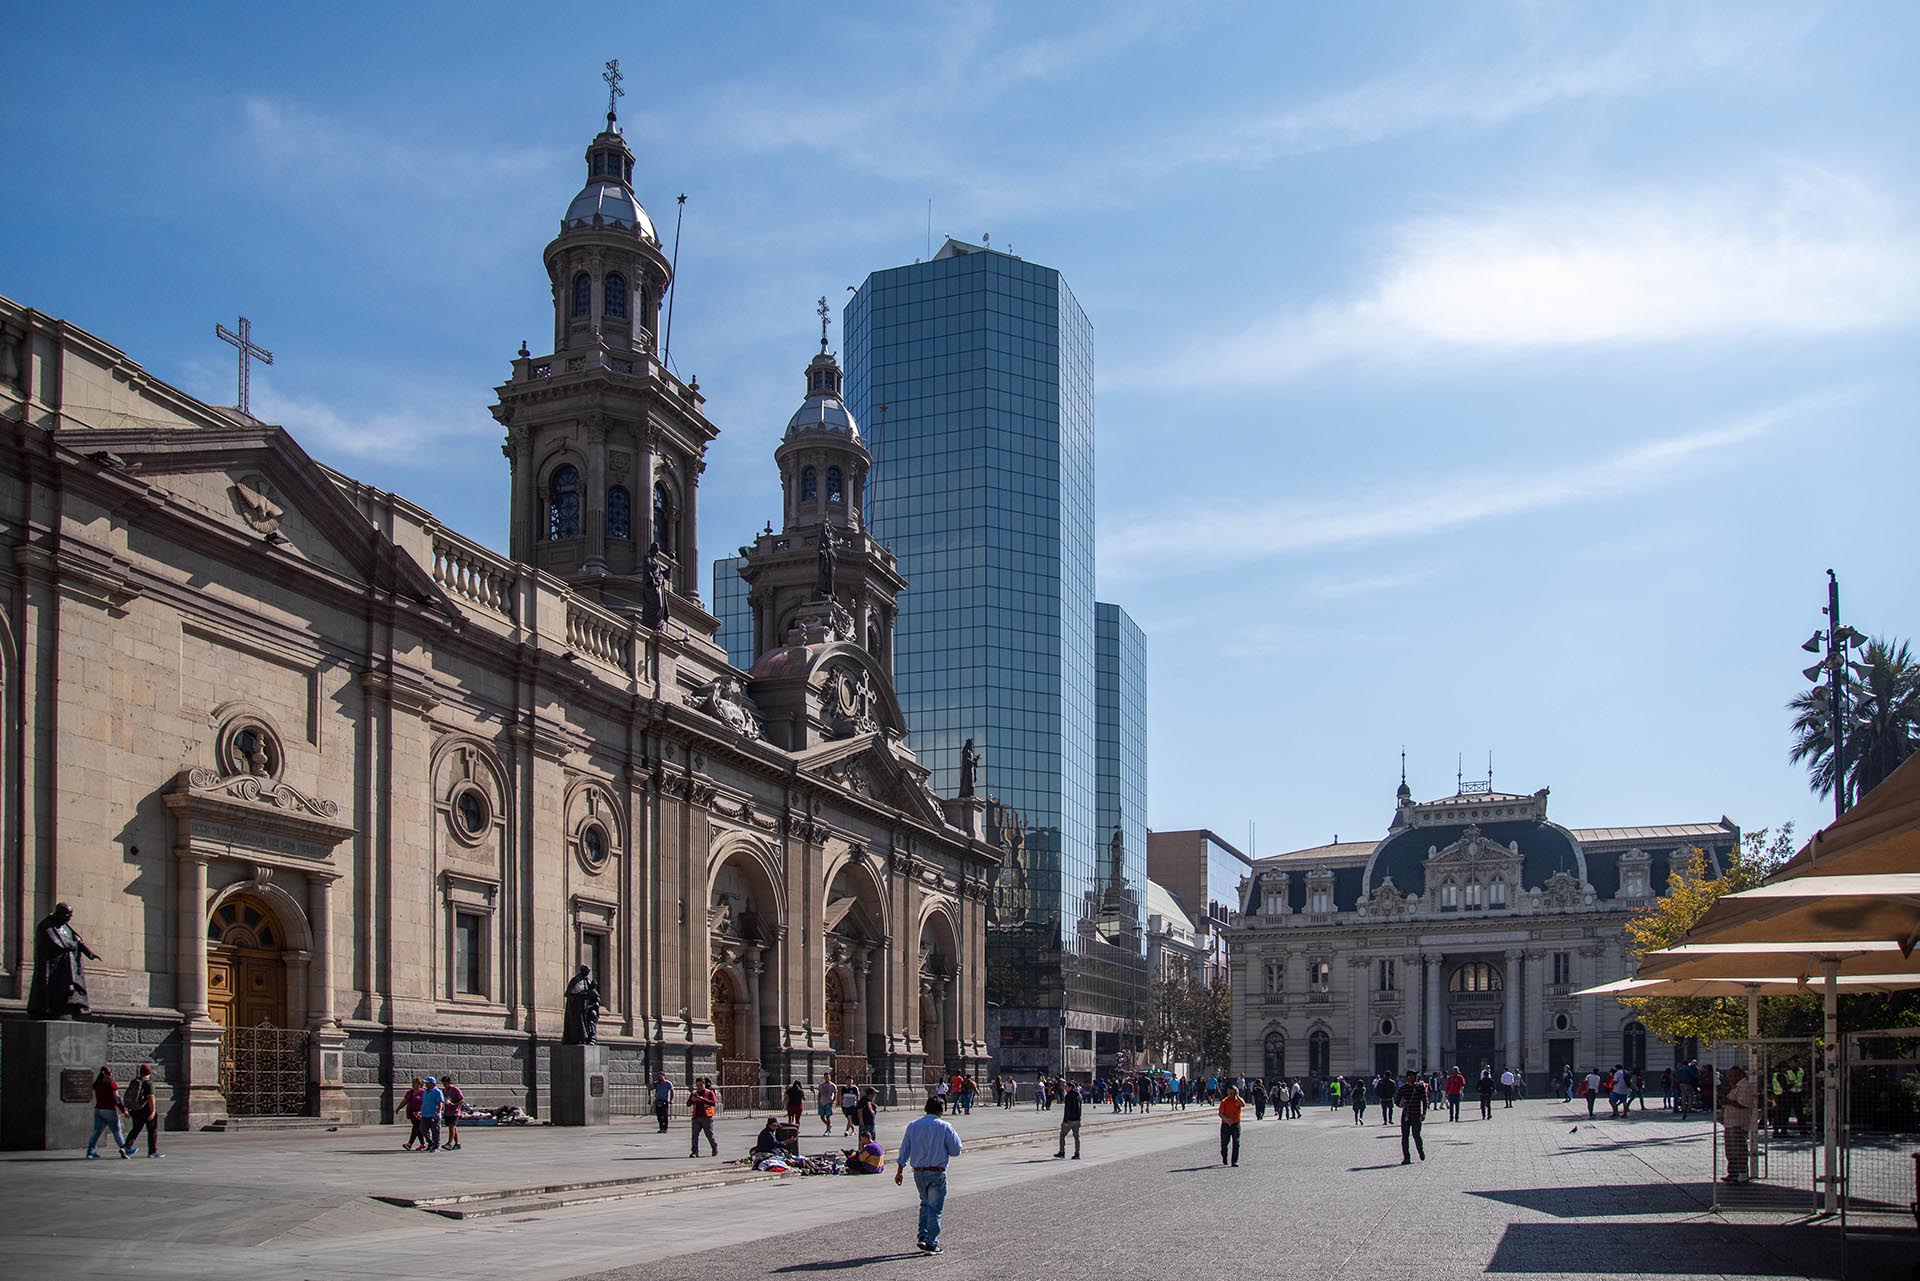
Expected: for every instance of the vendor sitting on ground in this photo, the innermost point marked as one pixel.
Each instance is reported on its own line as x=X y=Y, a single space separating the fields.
x=767 y=1141
x=868 y=1158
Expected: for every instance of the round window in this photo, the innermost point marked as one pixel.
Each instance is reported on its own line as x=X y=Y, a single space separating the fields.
x=593 y=844
x=472 y=812
x=1386 y=1027
x=1561 y=1022
x=247 y=746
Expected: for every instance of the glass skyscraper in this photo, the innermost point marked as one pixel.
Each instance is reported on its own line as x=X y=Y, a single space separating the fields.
x=730 y=606
x=973 y=374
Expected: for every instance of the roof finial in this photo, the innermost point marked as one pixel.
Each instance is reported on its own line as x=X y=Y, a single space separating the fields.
x=1489 y=769
x=614 y=92
x=1403 y=767
x=1459 y=773
x=824 y=311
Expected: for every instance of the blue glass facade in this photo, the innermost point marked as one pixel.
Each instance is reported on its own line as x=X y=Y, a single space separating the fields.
x=973 y=374
x=1121 y=751
x=729 y=604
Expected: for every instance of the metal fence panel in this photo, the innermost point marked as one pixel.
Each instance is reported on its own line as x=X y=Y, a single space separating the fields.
x=1766 y=1157
x=1880 y=1110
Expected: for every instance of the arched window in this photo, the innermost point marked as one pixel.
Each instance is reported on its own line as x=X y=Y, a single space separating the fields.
x=1633 y=1047
x=616 y=293
x=619 y=513
x=582 y=296
x=809 y=484
x=1320 y=1054
x=1276 y=1056
x=836 y=488
x=1474 y=976
x=663 y=517
x=563 y=502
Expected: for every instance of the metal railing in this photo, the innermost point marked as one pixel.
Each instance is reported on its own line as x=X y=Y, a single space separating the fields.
x=263 y=1070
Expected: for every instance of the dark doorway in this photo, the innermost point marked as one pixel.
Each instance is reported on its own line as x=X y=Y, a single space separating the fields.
x=1560 y=1056
x=1473 y=1042
x=1386 y=1058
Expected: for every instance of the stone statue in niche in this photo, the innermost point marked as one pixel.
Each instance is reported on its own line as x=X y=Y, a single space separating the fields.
x=59 y=987
x=969 y=763
x=823 y=587
x=654 y=609
x=582 y=1026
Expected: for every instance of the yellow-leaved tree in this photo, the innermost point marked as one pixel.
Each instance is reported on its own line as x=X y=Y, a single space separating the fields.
x=1690 y=892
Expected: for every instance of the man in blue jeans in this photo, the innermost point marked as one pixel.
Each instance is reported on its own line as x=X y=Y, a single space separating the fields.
x=430 y=1104
x=928 y=1144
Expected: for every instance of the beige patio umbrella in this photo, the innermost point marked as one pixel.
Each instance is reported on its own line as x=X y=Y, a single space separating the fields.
x=1881 y=833
x=1817 y=908
x=1751 y=988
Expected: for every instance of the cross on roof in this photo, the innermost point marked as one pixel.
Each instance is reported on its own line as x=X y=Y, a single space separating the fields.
x=824 y=311
x=248 y=352
x=613 y=78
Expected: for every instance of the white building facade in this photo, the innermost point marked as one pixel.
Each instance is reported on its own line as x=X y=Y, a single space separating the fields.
x=1458 y=938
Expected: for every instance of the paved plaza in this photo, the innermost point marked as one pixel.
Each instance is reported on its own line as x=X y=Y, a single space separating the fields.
x=1537 y=1191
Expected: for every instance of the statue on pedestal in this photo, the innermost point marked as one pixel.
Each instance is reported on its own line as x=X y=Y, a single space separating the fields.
x=969 y=762
x=59 y=988
x=583 y=1010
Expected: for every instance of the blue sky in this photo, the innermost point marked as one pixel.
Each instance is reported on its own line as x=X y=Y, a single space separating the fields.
x=1471 y=377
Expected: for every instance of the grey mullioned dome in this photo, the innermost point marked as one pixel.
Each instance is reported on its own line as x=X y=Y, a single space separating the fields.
x=615 y=205
x=823 y=416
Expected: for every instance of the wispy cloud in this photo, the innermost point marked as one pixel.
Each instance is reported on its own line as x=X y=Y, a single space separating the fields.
x=1340 y=586
x=390 y=432
x=1461 y=86
x=1147 y=545
x=1817 y=253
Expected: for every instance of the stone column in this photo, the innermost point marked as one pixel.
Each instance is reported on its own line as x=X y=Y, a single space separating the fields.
x=593 y=502
x=326 y=1065
x=523 y=526
x=200 y=1037
x=1360 y=1055
x=1413 y=989
x=1436 y=966
x=689 y=558
x=1511 y=1042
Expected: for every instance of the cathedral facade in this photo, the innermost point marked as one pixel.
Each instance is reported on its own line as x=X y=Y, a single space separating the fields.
x=1460 y=937
x=341 y=797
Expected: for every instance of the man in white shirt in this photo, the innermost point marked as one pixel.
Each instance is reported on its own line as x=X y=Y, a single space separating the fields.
x=928 y=1144
x=1506 y=1086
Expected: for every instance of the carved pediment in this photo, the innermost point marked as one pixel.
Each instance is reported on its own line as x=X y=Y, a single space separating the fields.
x=261 y=790
x=1562 y=890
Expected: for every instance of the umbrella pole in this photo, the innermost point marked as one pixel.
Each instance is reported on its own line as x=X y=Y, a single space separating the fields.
x=1753 y=1011
x=1831 y=1053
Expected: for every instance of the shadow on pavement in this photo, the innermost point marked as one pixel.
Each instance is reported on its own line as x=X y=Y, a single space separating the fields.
x=1702 y=1247
x=1605 y=1201
x=837 y=1265
x=1193 y=1169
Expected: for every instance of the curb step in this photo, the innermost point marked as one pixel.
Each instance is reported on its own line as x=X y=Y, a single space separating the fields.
x=562 y=1201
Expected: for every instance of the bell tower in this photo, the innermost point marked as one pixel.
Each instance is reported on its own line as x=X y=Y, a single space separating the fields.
x=823 y=578
x=606 y=445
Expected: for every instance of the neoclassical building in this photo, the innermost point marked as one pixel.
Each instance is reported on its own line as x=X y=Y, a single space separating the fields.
x=1457 y=938
x=341 y=796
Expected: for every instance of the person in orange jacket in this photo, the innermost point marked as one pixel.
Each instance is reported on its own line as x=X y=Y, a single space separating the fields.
x=1230 y=1126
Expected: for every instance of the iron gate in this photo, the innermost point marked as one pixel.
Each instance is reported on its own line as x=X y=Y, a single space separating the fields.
x=1767 y=1156
x=1880 y=1109
x=263 y=1070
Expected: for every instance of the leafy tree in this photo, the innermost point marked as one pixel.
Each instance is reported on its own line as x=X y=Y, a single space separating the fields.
x=1883 y=724
x=1690 y=892
x=1191 y=1021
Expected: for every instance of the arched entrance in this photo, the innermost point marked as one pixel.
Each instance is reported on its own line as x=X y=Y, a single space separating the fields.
x=1276 y=1057
x=1319 y=1054
x=939 y=1029
x=743 y=921
x=263 y=1062
x=855 y=918
x=246 y=967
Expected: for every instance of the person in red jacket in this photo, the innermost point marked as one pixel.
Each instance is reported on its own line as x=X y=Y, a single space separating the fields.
x=106 y=1114
x=701 y=1103
x=1456 y=1085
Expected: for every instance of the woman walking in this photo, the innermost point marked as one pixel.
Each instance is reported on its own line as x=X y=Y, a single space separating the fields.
x=143 y=1109
x=411 y=1104
x=796 y=1101
x=106 y=1114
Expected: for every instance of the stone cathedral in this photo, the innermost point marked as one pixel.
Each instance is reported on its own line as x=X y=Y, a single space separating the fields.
x=341 y=797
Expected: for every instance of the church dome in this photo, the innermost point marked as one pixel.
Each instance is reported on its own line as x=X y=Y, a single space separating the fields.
x=823 y=416
x=614 y=205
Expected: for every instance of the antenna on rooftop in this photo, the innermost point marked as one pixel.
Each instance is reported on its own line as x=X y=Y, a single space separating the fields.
x=673 y=291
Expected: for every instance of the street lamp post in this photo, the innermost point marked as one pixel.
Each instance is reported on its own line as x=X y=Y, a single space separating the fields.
x=1836 y=640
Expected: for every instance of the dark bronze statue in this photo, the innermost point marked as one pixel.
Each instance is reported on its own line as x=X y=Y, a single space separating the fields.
x=653 y=601
x=969 y=762
x=828 y=559
x=583 y=1010
x=59 y=988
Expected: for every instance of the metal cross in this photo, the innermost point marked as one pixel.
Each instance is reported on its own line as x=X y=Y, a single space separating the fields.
x=248 y=352
x=824 y=311
x=613 y=78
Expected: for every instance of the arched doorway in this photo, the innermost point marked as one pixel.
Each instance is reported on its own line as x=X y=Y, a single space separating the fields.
x=855 y=918
x=263 y=1062
x=1633 y=1047
x=743 y=922
x=1276 y=1057
x=246 y=968
x=1319 y=1054
x=939 y=1026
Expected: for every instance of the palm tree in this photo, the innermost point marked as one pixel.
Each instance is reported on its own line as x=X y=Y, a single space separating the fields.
x=1883 y=722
